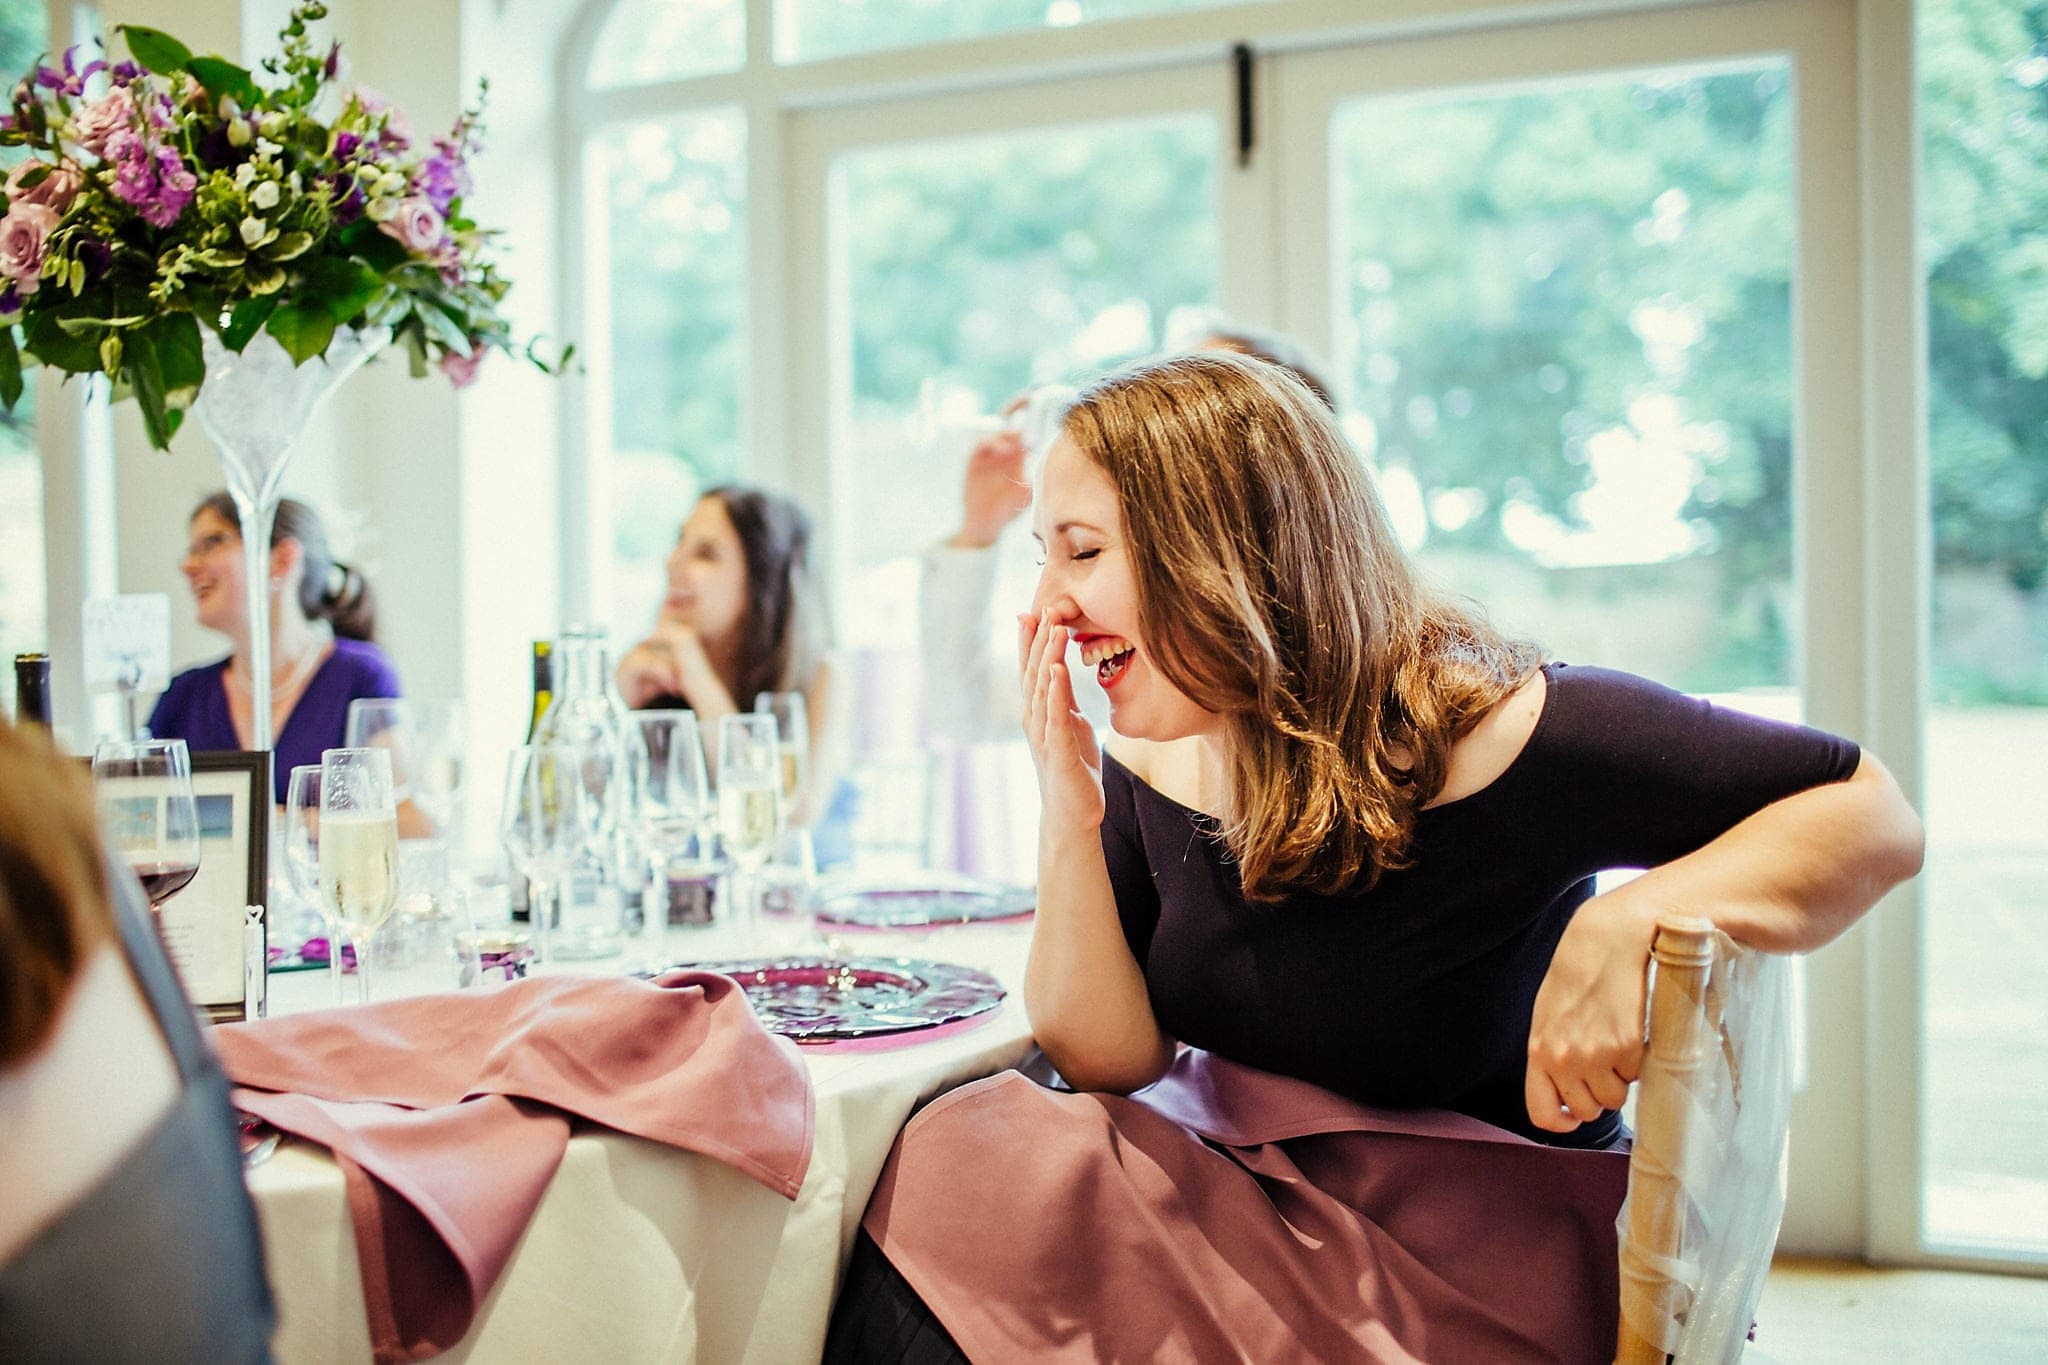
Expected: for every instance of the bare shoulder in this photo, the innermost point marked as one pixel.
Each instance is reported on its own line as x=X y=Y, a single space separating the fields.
x=1495 y=742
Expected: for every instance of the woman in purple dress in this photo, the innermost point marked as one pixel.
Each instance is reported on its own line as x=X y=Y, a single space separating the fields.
x=322 y=633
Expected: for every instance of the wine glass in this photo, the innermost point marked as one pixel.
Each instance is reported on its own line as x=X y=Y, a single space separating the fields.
x=542 y=825
x=793 y=733
x=358 y=847
x=302 y=857
x=146 y=804
x=749 y=800
x=674 y=798
x=385 y=723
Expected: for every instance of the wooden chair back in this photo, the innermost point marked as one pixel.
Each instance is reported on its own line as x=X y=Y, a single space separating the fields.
x=1688 y=1035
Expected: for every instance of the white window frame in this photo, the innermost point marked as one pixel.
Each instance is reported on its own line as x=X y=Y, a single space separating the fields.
x=1864 y=576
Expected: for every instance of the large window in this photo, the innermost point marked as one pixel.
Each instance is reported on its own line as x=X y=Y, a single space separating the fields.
x=1613 y=295
x=1984 y=86
x=23 y=599
x=668 y=374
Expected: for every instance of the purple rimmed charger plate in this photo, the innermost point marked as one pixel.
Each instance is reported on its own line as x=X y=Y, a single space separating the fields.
x=824 y=999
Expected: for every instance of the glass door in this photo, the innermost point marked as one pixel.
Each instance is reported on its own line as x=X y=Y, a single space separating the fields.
x=1567 y=273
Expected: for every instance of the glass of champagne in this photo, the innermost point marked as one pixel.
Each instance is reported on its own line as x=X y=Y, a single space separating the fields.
x=749 y=801
x=358 y=847
x=674 y=805
x=146 y=805
x=302 y=857
x=542 y=827
x=793 y=734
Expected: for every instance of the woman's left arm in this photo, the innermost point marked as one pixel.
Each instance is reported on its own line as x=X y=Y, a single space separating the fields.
x=827 y=707
x=1787 y=880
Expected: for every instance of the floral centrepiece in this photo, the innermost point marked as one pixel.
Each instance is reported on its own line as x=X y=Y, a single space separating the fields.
x=173 y=192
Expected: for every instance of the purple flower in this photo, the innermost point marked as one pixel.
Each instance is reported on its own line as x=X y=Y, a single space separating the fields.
x=70 y=81
x=101 y=120
x=345 y=145
x=124 y=73
x=461 y=369
x=152 y=179
x=10 y=300
x=348 y=198
x=417 y=225
x=443 y=177
x=96 y=255
x=57 y=189
x=21 y=244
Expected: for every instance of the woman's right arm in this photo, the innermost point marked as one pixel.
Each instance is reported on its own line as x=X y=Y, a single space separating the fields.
x=1083 y=989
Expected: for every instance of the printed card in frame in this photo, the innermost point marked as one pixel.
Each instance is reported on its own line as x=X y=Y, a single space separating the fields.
x=204 y=927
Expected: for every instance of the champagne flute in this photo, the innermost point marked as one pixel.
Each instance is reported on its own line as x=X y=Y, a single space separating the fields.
x=541 y=824
x=146 y=804
x=793 y=734
x=302 y=857
x=749 y=800
x=358 y=847
x=674 y=801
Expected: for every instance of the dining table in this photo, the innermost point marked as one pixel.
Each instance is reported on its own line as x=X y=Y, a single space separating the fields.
x=644 y=1252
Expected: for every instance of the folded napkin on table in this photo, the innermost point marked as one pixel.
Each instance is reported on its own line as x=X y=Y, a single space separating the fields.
x=448 y=1115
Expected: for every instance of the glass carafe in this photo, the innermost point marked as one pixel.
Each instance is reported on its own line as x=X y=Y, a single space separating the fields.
x=588 y=717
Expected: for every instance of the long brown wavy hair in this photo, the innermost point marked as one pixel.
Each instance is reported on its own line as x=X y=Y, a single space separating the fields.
x=1273 y=592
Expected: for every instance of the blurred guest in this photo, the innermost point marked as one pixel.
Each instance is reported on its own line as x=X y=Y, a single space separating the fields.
x=323 y=653
x=742 y=617
x=968 y=692
x=1344 y=844
x=125 y=1232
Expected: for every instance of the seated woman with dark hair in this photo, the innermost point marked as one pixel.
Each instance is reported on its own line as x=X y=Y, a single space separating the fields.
x=125 y=1231
x=323 y=655
x=742 y=617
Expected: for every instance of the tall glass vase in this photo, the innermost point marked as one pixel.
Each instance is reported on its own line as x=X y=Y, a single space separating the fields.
x=254 y=405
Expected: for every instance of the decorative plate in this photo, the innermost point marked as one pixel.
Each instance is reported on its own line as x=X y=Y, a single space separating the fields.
x=924 y=907
x=817 y=998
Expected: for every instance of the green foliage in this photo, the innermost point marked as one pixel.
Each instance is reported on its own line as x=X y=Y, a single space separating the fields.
x=197 y=196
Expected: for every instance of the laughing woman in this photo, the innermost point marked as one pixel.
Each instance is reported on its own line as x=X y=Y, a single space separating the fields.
x=323 y=629
x=1362 y=897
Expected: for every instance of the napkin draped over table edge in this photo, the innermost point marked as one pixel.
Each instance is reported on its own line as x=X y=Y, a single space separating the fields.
x=1228 y=1213
x=449 y=1115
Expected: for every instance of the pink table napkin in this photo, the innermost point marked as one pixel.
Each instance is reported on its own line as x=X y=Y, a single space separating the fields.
x=1229 y=1214
x=448 y=1115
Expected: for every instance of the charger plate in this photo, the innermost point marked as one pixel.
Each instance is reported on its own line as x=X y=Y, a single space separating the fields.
x=825 y=999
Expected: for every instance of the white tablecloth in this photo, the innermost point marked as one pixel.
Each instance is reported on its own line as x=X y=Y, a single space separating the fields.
x=641 y=1252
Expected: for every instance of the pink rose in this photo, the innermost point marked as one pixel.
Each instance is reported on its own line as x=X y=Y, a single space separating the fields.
x=55 y=190
x=461 y=369
x=416 y=224
x=102 y=119
x=21 y=244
